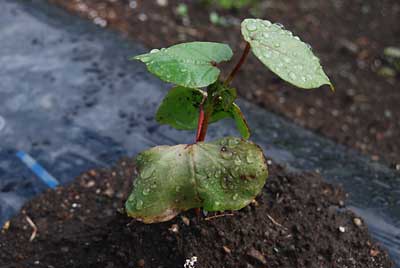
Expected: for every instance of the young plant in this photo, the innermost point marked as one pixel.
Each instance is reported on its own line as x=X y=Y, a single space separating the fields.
x=229 y=173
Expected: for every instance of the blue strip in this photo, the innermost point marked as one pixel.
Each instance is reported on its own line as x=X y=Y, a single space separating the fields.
x=38 y=169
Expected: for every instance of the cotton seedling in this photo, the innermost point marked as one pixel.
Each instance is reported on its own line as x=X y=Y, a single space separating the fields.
x=229 y=173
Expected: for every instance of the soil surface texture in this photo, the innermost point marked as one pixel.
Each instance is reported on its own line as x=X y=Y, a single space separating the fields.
x=348 y=36
x=297 y=221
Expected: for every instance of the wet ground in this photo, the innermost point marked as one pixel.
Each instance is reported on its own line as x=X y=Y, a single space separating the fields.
x=71 y=99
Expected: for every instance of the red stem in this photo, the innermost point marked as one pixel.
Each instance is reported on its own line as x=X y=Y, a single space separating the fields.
x=238 y=65
x=204 y=116
x=202 y=125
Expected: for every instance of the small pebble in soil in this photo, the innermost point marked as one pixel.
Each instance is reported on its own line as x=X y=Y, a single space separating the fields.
x=6 y=226
x=162 y=3
x=93 y=173
x=342 y=229
x=357 y=222
x=374 y=252
x=142 y=17
x=141 y=263
x=257 y=255
x=227 y=250
x=185 y=220
x=174 y=228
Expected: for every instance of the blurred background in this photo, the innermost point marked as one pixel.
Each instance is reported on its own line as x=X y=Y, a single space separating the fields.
x=358 y=42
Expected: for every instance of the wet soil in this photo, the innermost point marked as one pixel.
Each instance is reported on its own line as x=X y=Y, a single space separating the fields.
x=297 y=221
x=349 y=37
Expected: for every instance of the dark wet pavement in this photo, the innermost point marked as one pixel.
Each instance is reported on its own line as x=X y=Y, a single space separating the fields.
x=71 y=99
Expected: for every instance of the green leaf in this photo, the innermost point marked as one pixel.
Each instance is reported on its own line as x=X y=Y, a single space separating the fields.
x=180 y=108
x=189 y=65
x=284 y=54
x=223 y=175
x=241 y=122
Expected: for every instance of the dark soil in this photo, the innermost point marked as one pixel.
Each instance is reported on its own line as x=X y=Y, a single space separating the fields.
x=298 y=221
x=349 y=37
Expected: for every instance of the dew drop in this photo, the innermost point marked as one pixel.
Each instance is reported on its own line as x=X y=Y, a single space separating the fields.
x=147 y=172
x=146 y=191
x=297 y=38
x=154 y=50
x=277 y=45
x=303 y=78
x=266 y=35
x=292 y=76
x=226 y=155
x=224 y=182
x=145 y=59
x=279 y=25
x=233 y=142
x=217 y=203
x=288 y=33
x=267 y=23
x=251 y=26
x=139 y=204
x=238 y=161
x=235 y=197
x=249 y=159
x=268 y=54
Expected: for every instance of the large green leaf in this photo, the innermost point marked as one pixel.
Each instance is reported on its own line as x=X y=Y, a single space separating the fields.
x=284 y=54
x=188 y=64
x=223 y=175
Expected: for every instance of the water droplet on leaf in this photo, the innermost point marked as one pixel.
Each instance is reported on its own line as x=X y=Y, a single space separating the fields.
x=139 y=204
x=154 y=50
x=238 y=161
x=249 y=159
x=146 y=191
x=147 y=172
x=267 y=23
x=251 y=26
x=235 y=197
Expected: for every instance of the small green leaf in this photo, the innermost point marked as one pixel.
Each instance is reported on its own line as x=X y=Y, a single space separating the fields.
x=189 y=65
x=284 y=54
x=180 y=108
x=223 y=175
x=241 y=122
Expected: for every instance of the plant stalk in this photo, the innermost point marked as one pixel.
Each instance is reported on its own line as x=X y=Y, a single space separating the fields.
x=238 y=65
x=202 y=125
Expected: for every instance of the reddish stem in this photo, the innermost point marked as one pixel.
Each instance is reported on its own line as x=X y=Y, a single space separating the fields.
x=238 y=65
x=202 y=125
x=204 y=115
